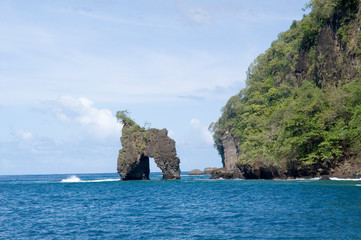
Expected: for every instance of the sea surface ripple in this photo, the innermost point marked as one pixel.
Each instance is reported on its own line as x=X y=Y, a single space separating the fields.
x=99 y=206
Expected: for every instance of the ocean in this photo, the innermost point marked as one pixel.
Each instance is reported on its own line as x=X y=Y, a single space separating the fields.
x=99 y=206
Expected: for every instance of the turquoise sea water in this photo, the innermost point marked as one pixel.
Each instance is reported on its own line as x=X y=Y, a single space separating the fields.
x=98 y=206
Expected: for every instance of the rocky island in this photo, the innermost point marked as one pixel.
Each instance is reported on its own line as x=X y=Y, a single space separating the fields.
x=300 y=113
x=140 y=144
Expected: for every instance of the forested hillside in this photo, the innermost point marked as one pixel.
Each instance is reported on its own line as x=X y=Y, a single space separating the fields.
x=301 y=109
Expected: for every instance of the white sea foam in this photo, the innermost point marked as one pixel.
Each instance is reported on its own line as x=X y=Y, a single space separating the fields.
x=75 y=179
x=104 y=180
x=298 y=179
x=318 y=178
x=71 y=179
x=345 y=179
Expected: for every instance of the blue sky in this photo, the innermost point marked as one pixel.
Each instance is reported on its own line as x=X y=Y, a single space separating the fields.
x=67 y=66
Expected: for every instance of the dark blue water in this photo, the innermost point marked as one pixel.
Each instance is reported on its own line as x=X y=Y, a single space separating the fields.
x=96 y=206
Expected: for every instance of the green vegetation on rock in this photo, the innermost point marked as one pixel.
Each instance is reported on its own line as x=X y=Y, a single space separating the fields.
x=123 y=117
x=302 y=102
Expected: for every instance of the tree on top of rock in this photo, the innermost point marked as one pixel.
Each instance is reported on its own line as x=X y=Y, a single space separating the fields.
x=123 y=117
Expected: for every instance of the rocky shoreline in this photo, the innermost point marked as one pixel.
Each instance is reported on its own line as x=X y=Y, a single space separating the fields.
x=233 y=169
x=350 y=169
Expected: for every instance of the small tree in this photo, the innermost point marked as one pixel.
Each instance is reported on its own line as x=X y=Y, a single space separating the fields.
x=123 y=117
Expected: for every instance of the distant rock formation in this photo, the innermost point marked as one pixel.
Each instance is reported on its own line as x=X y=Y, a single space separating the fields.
x=196 y=172
x=139 y=145
x=209 y=170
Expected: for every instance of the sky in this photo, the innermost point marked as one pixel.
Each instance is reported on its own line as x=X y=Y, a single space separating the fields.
x=67 y=67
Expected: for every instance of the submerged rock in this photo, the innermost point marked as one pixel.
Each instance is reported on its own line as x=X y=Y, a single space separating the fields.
x=139 y=145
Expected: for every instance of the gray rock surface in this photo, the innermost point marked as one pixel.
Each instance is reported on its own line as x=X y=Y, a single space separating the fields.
x=231 y=153
x=139 y=145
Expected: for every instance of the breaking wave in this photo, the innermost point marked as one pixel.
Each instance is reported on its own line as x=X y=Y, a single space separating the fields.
x=345 y=179
x=75 y=179
x=71 y=179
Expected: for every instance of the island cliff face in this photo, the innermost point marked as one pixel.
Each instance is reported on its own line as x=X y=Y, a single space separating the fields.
x=300 y=114
x=343 y=168
x=139 y=145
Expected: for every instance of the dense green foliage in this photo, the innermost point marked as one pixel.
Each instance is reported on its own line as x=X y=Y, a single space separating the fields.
x=277 y=117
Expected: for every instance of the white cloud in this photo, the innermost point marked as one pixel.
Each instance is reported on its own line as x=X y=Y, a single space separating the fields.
x=202 y=130
x=98 y=122
x=25 y=136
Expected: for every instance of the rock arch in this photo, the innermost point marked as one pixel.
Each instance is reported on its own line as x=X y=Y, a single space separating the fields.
x=139 y=145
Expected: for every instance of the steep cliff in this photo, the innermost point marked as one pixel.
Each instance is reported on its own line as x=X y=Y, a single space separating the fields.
x=300 y=114
x=139 y=145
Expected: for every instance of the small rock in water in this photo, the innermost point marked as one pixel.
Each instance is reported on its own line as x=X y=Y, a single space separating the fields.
x=209 y=170
x=196 y=172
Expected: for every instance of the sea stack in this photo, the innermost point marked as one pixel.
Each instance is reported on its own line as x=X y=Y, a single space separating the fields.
x=140 y=144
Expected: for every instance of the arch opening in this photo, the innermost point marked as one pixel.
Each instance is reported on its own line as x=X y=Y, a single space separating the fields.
x=153 y=166
x=139 y=170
